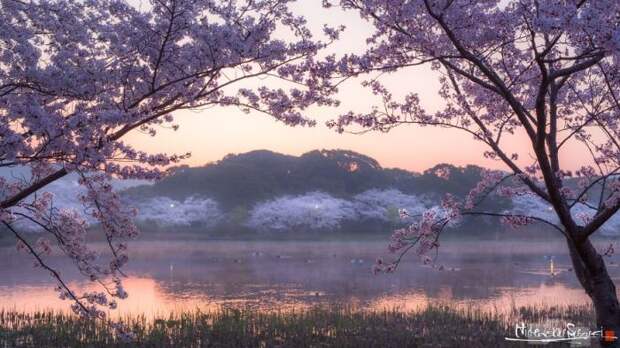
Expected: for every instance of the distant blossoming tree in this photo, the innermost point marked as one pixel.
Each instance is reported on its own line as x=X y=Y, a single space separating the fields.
x=167 y=212
x=77 y=76
x=312 y=211
x=546 y=69
x=377 y=204
x=321 y=211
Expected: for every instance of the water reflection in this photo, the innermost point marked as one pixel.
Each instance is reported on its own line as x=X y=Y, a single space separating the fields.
x=166 y=277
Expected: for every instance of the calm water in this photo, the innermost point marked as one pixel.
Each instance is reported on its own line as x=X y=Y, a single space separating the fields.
x=165 y=276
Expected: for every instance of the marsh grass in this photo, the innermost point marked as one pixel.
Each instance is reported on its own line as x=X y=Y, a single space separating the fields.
x=434 y=326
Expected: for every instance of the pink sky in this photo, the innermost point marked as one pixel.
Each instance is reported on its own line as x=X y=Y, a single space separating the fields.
x=211 y=134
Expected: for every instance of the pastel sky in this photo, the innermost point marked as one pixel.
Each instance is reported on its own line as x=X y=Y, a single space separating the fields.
x=211 y=134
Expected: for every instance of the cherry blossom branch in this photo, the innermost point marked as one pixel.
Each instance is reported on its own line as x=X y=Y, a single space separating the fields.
x=41 y=263
x=522 y=216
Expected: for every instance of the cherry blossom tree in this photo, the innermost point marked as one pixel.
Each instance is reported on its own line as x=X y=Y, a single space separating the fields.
x=77 y=76
x=547 y=70
x=167 y=212
x=321 y=211
x=311 y=211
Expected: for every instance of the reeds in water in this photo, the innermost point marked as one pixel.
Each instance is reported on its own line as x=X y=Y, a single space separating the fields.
x=434 y=326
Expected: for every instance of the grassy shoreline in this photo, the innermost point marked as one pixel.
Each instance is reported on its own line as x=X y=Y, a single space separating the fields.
x=435 y=326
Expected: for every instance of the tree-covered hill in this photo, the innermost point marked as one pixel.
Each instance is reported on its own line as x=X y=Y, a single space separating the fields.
x=245 y=179
x=322 y=190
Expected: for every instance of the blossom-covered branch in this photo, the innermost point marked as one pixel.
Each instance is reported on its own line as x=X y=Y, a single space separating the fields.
x=77 y=76
x=547 y=70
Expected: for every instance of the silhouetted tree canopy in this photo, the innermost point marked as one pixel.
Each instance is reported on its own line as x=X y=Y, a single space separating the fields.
x=244 y=179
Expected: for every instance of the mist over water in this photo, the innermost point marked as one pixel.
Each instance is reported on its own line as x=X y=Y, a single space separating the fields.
x=179 y=275
x=192 y=267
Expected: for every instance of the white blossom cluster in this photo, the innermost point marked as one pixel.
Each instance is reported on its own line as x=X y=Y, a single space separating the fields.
x=166 y=212
x=531 y=205
x=318 y=210
x=312 y=211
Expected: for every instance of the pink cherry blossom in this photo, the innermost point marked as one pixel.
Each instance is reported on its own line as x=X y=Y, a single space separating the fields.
x=545 y=69
x=77 y=76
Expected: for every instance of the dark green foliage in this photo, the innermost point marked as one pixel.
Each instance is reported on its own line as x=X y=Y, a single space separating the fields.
x=238 y=182
x=243 y=180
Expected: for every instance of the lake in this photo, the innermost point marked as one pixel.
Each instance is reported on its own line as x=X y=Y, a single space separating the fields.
x=172 y=276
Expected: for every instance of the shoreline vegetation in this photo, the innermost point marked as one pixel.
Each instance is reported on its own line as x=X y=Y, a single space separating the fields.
x=434 y=326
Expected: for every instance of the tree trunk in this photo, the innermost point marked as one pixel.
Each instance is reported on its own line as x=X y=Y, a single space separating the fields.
x=592 y=274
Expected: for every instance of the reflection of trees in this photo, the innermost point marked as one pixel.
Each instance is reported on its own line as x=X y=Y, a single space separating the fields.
x=254 y=271
x=272 y=279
